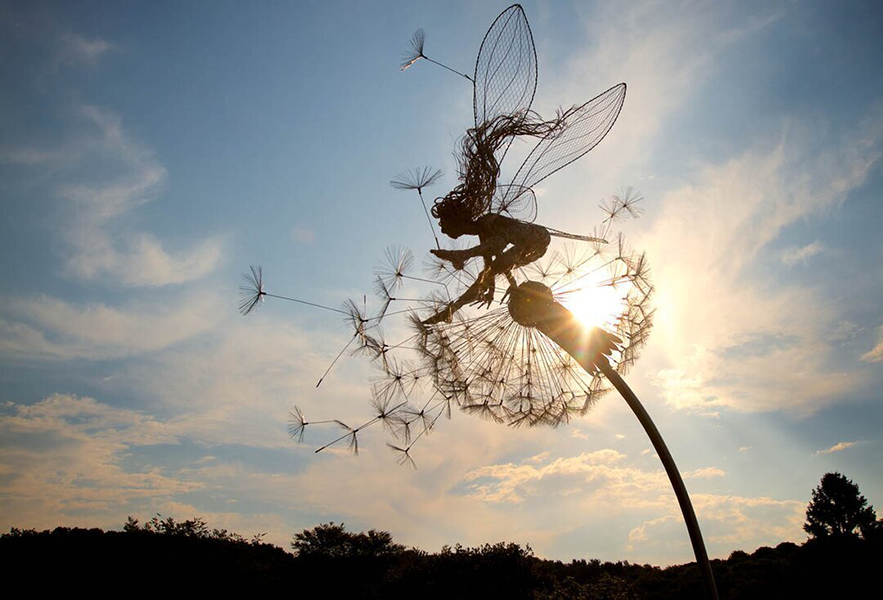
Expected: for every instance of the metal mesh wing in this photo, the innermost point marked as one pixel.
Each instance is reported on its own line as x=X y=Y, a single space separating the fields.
x=506 y=68
x=582 y=128
x=515 y=201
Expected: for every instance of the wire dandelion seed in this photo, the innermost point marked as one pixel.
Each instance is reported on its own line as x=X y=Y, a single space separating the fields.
x=395 y=268
x=251 y=295
x=415 y=49
x=297 y=424
x=415 y=52
x=417 y=179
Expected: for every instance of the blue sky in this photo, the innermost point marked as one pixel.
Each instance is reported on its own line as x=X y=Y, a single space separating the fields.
x=150 y=152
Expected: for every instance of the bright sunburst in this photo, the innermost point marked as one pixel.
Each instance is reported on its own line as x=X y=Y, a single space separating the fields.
x=595 y=302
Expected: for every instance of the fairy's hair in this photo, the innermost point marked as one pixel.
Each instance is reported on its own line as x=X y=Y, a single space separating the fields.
x=479 y=165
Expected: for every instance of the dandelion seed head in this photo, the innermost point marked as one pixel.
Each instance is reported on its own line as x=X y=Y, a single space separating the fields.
x=416 y=179
x=251 y=294
x=415 y=49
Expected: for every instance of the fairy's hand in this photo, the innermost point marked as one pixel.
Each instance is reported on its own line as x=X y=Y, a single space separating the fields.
x=455 y=257
x=487 y=288
x=489 y=293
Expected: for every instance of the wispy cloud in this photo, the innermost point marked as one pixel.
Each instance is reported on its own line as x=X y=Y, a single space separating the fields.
x=47 y=327
x=838 y=447
x=122 y=176
x=793 y=256
x=78 y=50
x=510 y=483
x=706 y=242
x=727 y=522
x=62 y=459
x=604 y=482
x=30 y=156
x=704 y=473
x=664 y=52
x=875 y=354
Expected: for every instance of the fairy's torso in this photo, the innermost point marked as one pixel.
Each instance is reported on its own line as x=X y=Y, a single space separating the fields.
x=502 y=231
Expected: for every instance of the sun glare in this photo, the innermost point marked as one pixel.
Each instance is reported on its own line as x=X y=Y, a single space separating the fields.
x=596 y=304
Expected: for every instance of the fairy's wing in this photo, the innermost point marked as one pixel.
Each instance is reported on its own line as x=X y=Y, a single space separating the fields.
x=506 y=68
x=581 y=129
x=515 y=201
x=574 y=236
x=578 y=130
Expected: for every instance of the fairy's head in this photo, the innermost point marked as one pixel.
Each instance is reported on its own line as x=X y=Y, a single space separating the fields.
x=454 y=217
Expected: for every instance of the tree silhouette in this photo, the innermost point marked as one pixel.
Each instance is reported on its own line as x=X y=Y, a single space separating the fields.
x=837 y=508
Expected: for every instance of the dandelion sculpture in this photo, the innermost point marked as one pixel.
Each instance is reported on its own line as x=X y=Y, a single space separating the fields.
x=517 y=356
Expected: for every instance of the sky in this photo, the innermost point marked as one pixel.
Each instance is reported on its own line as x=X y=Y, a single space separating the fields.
x=151 y=151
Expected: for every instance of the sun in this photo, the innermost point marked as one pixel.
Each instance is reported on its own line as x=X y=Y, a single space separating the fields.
x=596 y=303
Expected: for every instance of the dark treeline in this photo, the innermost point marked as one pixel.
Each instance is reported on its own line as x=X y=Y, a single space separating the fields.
x=840 y=560
x=328 y=561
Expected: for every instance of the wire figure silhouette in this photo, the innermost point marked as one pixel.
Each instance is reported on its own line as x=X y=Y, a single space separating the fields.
x=527 y=362
x=504 y=85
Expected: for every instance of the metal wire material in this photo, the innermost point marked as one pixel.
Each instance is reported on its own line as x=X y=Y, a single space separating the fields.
x=506 y=68
x=492 y=366
x=581 y=129
x=476 y=356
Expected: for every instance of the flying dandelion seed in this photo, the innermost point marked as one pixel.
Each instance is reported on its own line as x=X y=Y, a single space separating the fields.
x=415 y=49
x=415 y=53
x=252 y=295
x=417 y=179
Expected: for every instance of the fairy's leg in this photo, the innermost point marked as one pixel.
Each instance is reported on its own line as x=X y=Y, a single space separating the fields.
x=474 y=293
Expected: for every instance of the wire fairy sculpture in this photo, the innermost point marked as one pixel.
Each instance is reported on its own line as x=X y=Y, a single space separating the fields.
x=504 y=86
x=463 y=352
x=526 y=362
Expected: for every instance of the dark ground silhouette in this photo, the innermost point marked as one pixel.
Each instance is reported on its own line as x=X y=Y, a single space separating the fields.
x=328 y=561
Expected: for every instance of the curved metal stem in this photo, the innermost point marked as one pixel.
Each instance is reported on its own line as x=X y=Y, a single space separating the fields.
x=673 y=475
x=588 y=347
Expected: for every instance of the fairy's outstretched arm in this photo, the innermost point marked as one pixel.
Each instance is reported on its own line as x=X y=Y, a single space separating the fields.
x=487 y=249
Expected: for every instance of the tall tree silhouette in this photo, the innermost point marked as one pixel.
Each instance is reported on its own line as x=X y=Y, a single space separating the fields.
x=837 y=508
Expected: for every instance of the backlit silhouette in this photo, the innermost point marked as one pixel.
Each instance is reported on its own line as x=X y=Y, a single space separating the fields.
x=527 y=361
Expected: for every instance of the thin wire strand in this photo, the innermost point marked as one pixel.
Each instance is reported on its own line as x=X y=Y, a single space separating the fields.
x=337 y=310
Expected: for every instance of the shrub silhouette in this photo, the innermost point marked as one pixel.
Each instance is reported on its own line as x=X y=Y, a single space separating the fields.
x=334 y=541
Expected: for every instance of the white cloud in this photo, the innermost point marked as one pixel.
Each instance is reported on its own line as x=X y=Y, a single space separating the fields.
x=727 y=522
x=30 y=156
x=704 y=473
x=78 y=50
x=63 y=457
x=793 y=256
x=838 y=447
x=875 y=354
x=664 y=52
x=723 y=323
x=511 y=483
x=47 y=327
x=604 y=483
x=122 y=177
